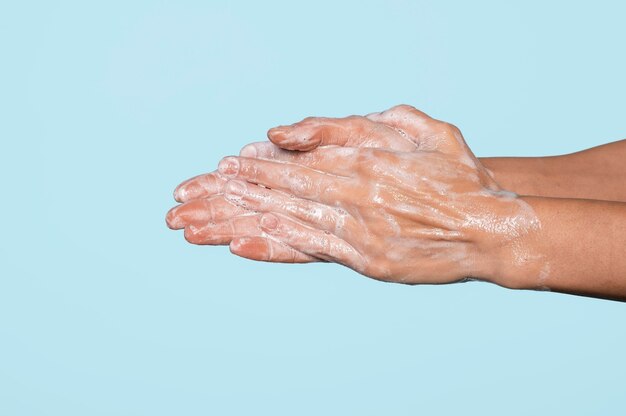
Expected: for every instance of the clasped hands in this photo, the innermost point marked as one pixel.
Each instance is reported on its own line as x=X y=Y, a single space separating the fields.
x=396 y=196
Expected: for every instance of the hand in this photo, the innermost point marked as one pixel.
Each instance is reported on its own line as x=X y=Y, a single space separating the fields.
x=434 y=215
x=210 y=219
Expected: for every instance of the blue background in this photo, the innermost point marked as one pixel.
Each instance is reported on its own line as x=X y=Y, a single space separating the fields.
x=107 y=106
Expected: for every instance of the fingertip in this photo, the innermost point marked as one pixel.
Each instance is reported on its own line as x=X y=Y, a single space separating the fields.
x=277 y=132
x=267 y=250
x=236 y=244
x=191 y=234
x=277 y=135
x=241 y=246
x=190 y=189
x=172 y=220
x=292 y=138
x=179 y=194
x=249 y=150
x=229 y=166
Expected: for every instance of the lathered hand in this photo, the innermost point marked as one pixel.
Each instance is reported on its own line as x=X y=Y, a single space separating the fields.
x=210 y=219
x=433 y=215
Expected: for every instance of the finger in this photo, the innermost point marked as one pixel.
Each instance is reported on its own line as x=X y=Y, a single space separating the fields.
x=316 y=215
x=223 y=232
x=332 y=159
x=201 y=186
x=264 y=249
x=202 y=211
x=353 y=131
x=246 y=232
x=311 y=241
x=300 y=181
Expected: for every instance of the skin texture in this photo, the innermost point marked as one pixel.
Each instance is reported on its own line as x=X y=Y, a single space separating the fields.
x=403 y=199
x=596 y=173
x=220 y=223
x=584 y=244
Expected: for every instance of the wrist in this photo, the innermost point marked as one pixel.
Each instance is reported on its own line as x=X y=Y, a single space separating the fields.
x=509 y=253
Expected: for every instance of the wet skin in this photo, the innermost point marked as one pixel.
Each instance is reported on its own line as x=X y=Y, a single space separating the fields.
x=398 y=196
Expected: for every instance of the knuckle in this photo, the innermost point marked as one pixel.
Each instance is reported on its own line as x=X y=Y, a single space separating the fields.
x=288 y=233
x=450 y=128
x=307 y=120
x=330 y=190
x=356 y=119
x=299 y=184
x=211 y=181
x=326 y=247
x=406 y=108
x=250 y=169
x=303 y=210
x=373 y=160
x=340 y=221
x=408 y=113
x=366 y=161
x=210 y=208
x=364 y=158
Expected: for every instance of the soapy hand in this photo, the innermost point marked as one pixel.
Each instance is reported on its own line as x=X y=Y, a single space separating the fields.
x=210 y=219
x=433 y=215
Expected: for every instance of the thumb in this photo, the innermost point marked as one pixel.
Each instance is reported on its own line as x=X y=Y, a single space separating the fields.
x=352 y=131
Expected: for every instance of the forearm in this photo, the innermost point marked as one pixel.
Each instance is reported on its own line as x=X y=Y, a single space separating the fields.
x=579 y=247
x=597 y=173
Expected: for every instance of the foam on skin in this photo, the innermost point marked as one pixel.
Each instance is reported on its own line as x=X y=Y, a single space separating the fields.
x=420 y=217
x=424 y=210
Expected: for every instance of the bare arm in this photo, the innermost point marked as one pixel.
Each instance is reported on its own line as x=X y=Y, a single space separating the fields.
x=582 y=245
x=596 y=173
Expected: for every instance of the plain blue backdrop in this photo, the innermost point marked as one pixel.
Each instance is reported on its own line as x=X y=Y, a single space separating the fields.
x=107 y=106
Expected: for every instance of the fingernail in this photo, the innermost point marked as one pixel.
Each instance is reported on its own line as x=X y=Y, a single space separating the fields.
x=180 y=194
x=187 y=192
x=248 y=151
x=176 y=195
x=172 y=220
x=229 y=166
x=235 y=188
x=193 y=229
x=269 y=222
x=271 y=133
